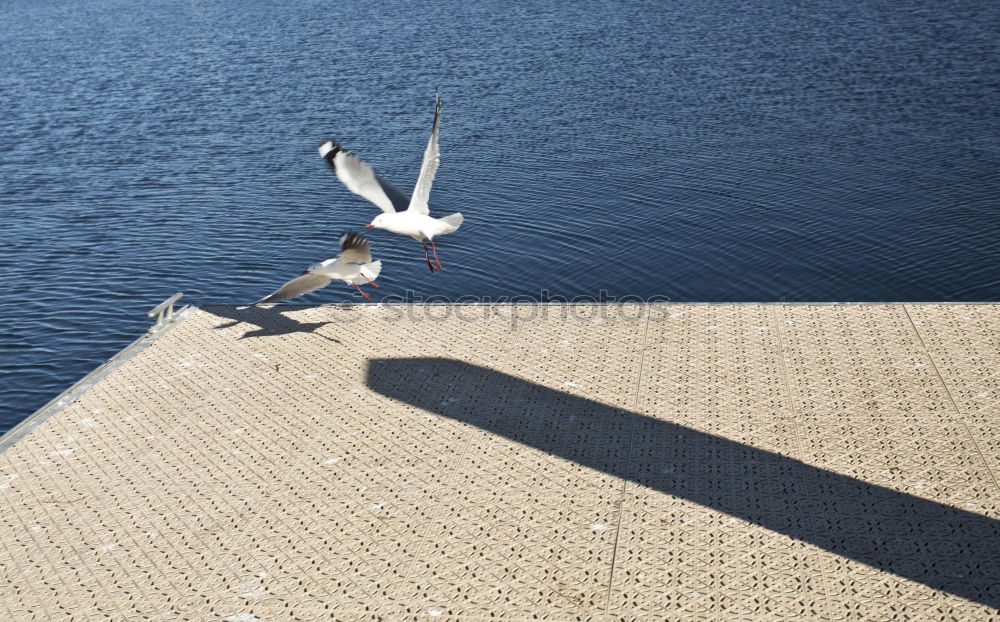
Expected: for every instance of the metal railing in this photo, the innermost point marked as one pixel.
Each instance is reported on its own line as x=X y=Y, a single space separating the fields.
x=164 y=311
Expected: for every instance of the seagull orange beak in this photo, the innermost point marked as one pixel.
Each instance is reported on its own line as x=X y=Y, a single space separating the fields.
x=369 y=226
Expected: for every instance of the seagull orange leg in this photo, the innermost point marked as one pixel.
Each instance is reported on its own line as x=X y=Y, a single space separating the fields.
x=427 y=257
x=371 y=282
x=363 y=292
x=438 y=261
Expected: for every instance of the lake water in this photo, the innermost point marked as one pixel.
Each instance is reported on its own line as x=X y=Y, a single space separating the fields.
x=834 y=151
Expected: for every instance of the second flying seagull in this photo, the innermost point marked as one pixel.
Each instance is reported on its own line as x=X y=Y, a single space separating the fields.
x=354 y=266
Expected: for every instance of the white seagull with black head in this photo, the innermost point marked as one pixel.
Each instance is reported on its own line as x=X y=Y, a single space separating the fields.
x=402 y=214
x=354 y=266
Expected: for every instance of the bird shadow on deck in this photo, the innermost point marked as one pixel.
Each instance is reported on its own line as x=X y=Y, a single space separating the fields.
x=270 y=321
x=938 y=545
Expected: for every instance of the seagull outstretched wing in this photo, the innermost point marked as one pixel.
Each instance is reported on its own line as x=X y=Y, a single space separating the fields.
x=429 y=166
x=361 y=179
x=297 y=287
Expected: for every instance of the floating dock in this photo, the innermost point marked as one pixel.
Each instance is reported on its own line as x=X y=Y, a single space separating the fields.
x=518 y=462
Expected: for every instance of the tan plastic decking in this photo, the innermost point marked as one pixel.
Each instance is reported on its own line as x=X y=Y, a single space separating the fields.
x=646 y=462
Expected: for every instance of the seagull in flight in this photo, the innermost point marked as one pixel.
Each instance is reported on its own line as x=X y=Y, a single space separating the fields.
x=401 y=214
x=354 y=266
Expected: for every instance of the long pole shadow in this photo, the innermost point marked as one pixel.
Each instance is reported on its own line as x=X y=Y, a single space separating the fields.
x=268 y=320
x=940 y=546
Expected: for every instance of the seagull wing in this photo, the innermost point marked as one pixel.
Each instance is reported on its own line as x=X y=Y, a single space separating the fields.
x=361 y=179
x=354 y=248
x=432 y=157
x=297 y=287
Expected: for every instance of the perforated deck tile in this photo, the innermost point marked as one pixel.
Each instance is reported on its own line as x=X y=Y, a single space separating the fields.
x=638 y=462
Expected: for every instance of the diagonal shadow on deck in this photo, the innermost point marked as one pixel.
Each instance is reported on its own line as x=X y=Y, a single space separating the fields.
x=931 y=543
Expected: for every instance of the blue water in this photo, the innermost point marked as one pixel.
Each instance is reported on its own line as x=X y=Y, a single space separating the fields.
x=835 y=151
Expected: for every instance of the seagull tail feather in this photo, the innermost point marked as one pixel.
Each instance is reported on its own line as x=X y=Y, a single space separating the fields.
x=450 y=223
x=369 y=272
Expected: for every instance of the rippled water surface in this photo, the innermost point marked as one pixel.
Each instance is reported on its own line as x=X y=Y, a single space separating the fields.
x=699 y=151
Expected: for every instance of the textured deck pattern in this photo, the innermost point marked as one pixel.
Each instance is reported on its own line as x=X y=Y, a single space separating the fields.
x=674 y=462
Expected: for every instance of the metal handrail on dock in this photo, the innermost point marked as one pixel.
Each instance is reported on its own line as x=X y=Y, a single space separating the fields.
x=164 y=311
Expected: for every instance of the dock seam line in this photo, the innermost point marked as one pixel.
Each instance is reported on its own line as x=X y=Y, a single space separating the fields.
x=628 y=460
x=954 y=404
